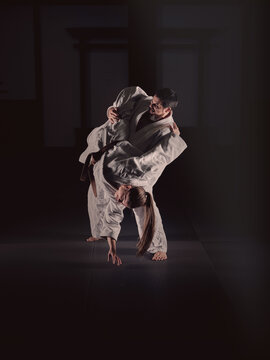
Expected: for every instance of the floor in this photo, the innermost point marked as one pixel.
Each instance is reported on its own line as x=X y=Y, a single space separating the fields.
x=61 y=297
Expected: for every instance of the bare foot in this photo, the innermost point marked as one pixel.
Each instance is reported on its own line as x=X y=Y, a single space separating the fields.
x=159 y=256
x=91 y=239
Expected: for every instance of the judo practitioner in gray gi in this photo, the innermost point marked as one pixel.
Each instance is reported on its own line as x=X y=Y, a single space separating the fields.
x=145 y=139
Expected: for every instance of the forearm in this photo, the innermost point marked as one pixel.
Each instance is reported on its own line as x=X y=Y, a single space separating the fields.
x=112 y=251
x=112 y=244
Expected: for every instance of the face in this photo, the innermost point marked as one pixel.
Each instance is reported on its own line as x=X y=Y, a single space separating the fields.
x=121 y=195
x=157 y=111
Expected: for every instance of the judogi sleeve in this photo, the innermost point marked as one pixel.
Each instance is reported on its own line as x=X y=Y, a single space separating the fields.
x=127 y=99
x=145 y=170
x=111 y=220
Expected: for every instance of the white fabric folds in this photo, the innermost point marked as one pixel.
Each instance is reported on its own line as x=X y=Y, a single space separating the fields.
x=138 y=159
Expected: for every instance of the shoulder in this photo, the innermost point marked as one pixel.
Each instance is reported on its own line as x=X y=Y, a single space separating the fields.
x=134 y=91
x=130 y=97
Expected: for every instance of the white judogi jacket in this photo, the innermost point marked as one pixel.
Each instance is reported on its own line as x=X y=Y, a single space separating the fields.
x=138 y=161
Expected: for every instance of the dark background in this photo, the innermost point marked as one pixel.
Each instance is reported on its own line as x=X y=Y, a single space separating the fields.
x=63 y=63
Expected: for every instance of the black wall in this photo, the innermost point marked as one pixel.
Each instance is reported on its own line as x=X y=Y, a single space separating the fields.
x=221 y=181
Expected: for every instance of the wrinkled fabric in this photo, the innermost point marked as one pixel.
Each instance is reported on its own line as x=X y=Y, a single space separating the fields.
x=105 y=213
x=124 y=167
x=138 y=159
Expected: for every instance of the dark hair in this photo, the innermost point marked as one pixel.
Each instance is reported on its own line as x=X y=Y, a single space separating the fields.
x=168 y=97
x=139 y=197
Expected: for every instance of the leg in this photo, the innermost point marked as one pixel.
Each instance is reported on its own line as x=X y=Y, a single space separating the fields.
x=95 y=216
x=158 y=247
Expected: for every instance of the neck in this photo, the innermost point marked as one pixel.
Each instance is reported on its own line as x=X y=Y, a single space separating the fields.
x=160 y=117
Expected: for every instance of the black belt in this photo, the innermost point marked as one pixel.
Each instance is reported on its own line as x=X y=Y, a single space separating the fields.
x=87 y=170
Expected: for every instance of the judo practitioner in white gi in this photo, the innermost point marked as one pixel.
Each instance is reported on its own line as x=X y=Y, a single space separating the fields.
x=147 y=139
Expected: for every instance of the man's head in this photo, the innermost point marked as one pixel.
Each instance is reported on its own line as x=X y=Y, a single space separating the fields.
x=162 y=103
